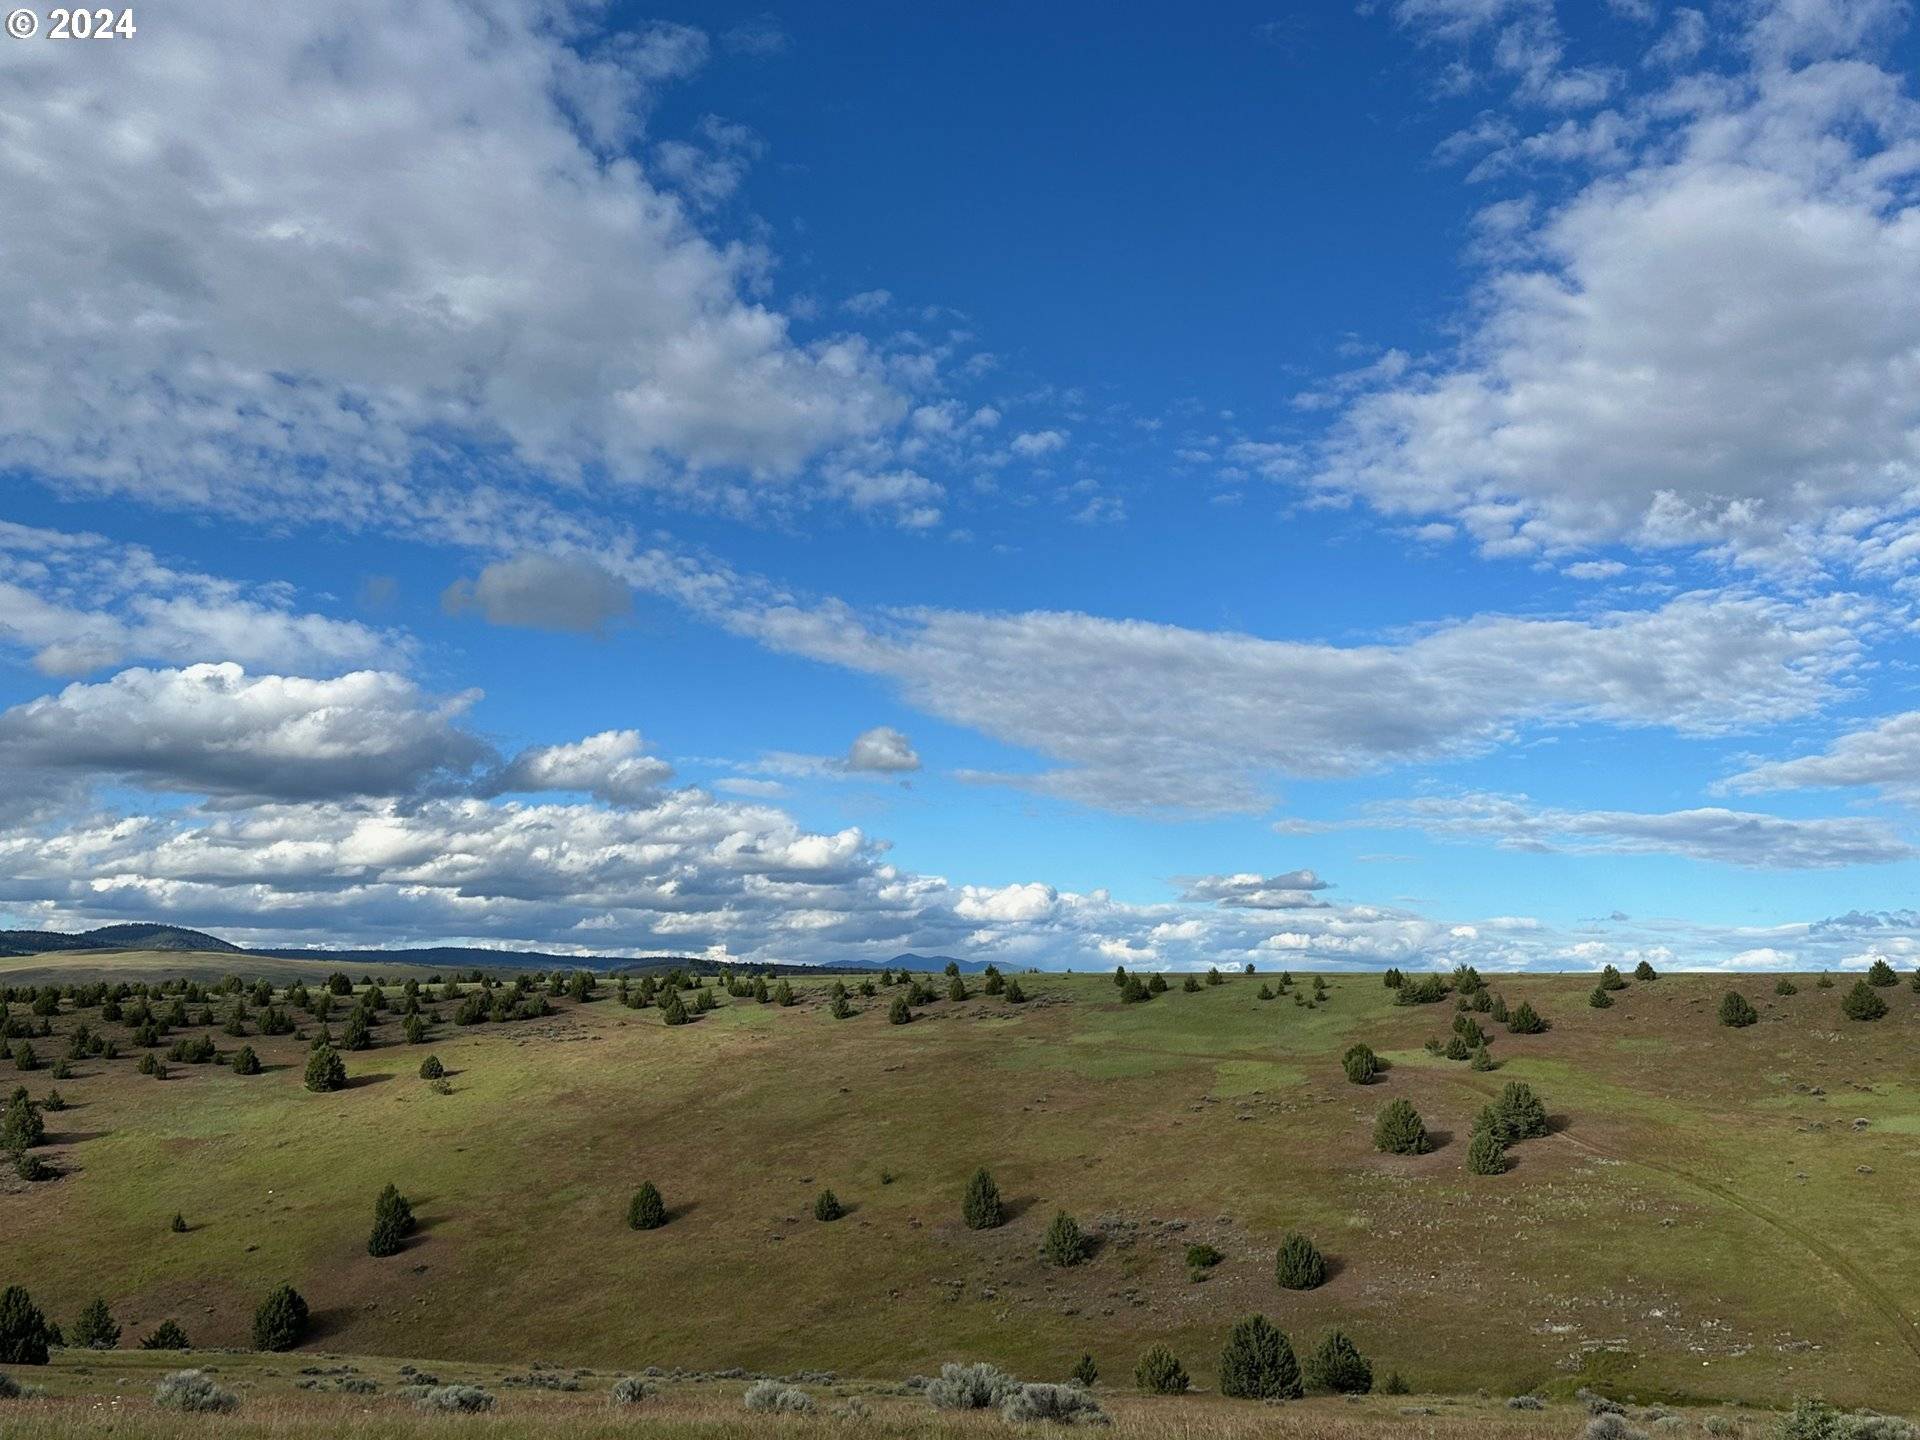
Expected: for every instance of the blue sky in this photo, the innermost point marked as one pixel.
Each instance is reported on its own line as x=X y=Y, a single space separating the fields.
x=1409 y=483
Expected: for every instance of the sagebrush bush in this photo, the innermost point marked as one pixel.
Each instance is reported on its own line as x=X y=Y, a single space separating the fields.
x=773 y=1398
x=629 y=1390
x=1298 y=1265
x=456 y=1399
x=1258 y=1363
x=970 y=1387
x=1203 y=1256
x=194 y=1391
x=1160 y=1373
x=1052 y=1404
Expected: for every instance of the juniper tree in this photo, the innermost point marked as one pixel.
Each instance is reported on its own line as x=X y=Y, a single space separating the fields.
x=899 y=1013
x=1524 y=1021
x=24 y=1332
x=981 y=1204
x=1645 y=971
x=1498 y=1012
x=281 y=1321
x=245 y=1061
x=673 y=1010
x=1393 y=979
x=21 y=1127
x=1065 y=1244
x=392 y=1222
x=1784 y=986
x=1298 y=1265
x=1160 y=1373
x=95 y=1329
x=1600 y=999
x=995 y=983
x=1191 y=984
x=1265 y=991
x=1486 y=1153
x=1736 y=1011
x=1157 y=983
x=1518 y=1114
x=326 y=1070
x=1360 y=1063
x=1258 y=1363
x=1482 y=1060
x=1611 y=979
x=1862 y=1002
x=839 y=1008
x=1825 y=982
x=783 y=994
x=1881 y=973
x=1084 y=1372
x=1457 y=1048
x=957 y=988
x=432 y=1069
x=178 y=1224
x=646 y=1211
x=1017 y=996
x=827 y=1206
x=1336 y=1364
x=1214 y=977
x=167 y=1335
x=1119 y=977
x=1398 y=1130
x=415 y=1029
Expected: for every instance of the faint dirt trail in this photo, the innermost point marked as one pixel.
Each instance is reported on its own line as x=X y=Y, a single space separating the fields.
x=1869 y=1289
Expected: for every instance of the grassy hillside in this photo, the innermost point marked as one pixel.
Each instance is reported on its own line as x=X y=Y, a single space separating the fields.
x=1718 y=1214
x=67 y=967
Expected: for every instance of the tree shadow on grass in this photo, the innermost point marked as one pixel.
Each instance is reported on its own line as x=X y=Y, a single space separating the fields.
x=356 y=1082
x=75 y=1137
x=1438 y=1140
x=1013 y=1207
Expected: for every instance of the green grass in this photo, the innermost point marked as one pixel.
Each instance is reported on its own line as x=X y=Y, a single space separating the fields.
x=1687 y=1232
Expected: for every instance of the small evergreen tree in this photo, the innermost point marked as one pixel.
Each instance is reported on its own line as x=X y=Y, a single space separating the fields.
x=1524 y=1021
x=1299 y=1266
x=281 y=1321
x=1085 y=1372
x=1258 y=1363
x=1336 y=1364
x=95 y=1329
x=1482 y=1060
x=899 y=1012
x=1214 y=976
x=1457 y=1048
x=1784 y=986
x=1880 y=973
x=1862 y=1002
x=1191 y=984
x=1157 y=983
x=178 y=1224
x=1825 y=982
x=1160 y=1373
x=673 y=1010
x=1736 y=1011
x=783 y=994
x=981 y=1205
x=1397 y=1129
x=24 y=1332
x=839 y=1008
x=1600 y=999
x=827 y=1206
x=646 y=1211
x=1393 y=979
x=245 y=1062
x=392 y=1222
x=1644 y=971
x=167 y=1335
x=1486 y=1154
x=957 y=988
x=1065 y=1244
x=1017 y=996
x=1611 y=979
x=1134 y=991
x=325 y=1071
x=1360 y=1063
x=432 y=1069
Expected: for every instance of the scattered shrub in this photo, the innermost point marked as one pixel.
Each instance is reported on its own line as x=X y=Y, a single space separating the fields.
x=629 y=1390
x=1203 y=1257
x=981 y=1205
x=1862 y=1002
x=1482 y=1060
x=1055 y=1404
x=1085 y=1371
x=1644 y=971
x=1298 y=1265
x=1610 y=1426
x=1191 y=985
x=456 y=1399
x=827 y=1206
x=1736 y=1011
x=392 y=1222
x=898 y=1013
x=647 y=1210
x=281 y=1321
x=432 y=1069
x=194 y=1391
x=1065 y=1243
x=1160 y=1372
x=970 y=1387
x=178 y=1224
x=245 y=1061
x=1600 y=999
x=1395 y=1384
x=1524 y=1020
x=1880 y=973
x=1398 y=1130
x=167 y=1335
x=1784 y=986
x=1336 y=1364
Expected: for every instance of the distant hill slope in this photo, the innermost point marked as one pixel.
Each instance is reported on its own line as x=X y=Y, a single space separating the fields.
x=114 y=937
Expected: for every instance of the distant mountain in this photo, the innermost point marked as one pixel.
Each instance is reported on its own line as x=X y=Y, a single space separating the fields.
x=909 y=961
x=113 y=937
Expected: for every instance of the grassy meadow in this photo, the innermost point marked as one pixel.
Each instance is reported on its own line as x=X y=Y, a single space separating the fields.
x=1719 y=1216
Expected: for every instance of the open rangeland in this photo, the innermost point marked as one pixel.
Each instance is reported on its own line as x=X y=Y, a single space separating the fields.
x=1719 y=1216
